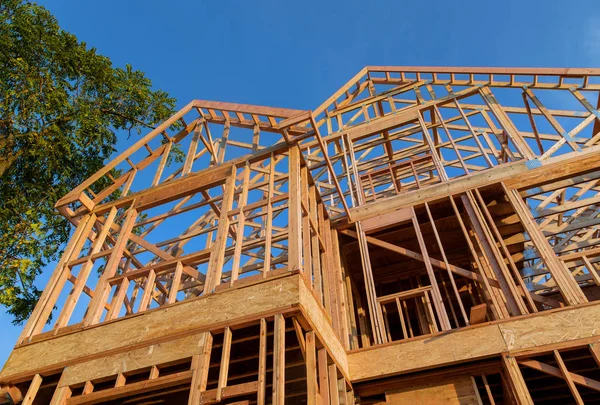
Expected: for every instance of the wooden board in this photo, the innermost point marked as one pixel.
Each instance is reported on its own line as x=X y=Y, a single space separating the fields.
x=552 y=328
x=428 y=352
x=477 y=314
x=134 y=359
x=384 y=221
x=517 y=335
x=455 y=391
x=142 y=329
x=581 y=161
x=322 y=325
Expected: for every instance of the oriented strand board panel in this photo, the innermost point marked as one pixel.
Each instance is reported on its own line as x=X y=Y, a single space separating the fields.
x=477 y=342
x=439 y=350
x=456 y=391
x=228 y=306
x=134 y=359
x=320 y=321
x=554 y=327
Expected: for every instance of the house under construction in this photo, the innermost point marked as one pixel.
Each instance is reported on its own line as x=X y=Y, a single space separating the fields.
x=427 y=235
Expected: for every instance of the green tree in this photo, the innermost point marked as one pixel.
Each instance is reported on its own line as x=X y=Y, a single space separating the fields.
x=61 y=107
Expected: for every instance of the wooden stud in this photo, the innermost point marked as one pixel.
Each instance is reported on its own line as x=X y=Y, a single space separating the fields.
x=322 y=361
x=32 y=390
x=279 y=361
x=311 y=369
x=215 y=268
x=96 y=306
x=200 y=368
x=567 y=376
x=515 y=379
x=224 y=368
x=262 y=363
x=435 y=291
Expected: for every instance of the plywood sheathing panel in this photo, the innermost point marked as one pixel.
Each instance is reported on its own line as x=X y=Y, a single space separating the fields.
x=183 y=318
x=319 y=320
x=420 y=354
x=134 y=359
x=556 y=327
x=476 y=342
x=454 y=391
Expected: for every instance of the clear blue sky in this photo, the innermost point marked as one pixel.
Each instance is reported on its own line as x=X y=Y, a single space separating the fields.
x=296 y=53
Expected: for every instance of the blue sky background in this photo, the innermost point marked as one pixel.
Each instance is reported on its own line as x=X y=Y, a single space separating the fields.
x=295 y=54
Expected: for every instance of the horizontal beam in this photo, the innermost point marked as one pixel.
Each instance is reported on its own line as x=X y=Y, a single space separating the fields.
x=554 y=371
x=121 y=158
x=573 y=72
x=248 y=108
x=135 y=388
x=522 y=335
x=170 y=191
x=185 y=318
x=517 y=175
x=121 y=363
x=418 y=256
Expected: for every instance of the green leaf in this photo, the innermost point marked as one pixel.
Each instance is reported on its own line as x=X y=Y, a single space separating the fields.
x=62 y=105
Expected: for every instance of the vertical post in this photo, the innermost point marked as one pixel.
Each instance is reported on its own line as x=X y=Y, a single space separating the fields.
x=217 y=254
x=175 y=282
x=200 y=366
x=269 y=219
x=323 y=377
x=496 y=307
x=565 y=281
x=163 y=162
x=60 y=396
x=490 y=397
x=311 y=369
x=86 y=268
x=32 y=390
x=61 y=393
x=338 y=274
x=516 y=381
x=118 y=298
x=294 y=210
x=450 y=275
x=373 y=305
x=279 y=361
x=341 y=390
x=46 y=303
x=353 y=331
x=314 y=243
x=328 y=286
x=262 y=363
x=96 y=306
x=436 y=295
x=224 y=369
x=191 y=153
x=239 y=237
x=306 y=245
x=148 y=290
x=567 y=376
x=334 y=395
x=515 y=304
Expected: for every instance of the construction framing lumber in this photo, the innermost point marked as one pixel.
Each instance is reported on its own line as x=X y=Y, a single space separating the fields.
x=425 y=235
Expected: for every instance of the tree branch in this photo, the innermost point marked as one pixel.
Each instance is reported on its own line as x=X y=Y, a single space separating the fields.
x=104 y=110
